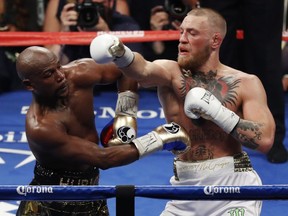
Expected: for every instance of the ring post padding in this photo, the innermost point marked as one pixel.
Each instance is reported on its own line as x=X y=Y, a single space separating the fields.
x=125 y=200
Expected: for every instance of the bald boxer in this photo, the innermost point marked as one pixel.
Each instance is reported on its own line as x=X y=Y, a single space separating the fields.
x=61 y=132
x=223 y=109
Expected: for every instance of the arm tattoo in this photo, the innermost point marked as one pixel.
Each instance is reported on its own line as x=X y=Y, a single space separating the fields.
x=248 y=126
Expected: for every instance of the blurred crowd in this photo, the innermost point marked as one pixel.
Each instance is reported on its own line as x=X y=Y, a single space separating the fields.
x=261 y=52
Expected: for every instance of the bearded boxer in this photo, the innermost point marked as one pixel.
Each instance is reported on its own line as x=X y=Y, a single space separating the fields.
x=223 y=109
x=61 y=131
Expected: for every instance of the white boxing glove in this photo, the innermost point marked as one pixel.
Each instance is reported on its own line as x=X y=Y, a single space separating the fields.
x=107 y=48
x=201 y=102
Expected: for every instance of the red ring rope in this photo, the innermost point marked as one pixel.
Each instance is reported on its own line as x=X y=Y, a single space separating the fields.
x=84 y=38
x=80 y=38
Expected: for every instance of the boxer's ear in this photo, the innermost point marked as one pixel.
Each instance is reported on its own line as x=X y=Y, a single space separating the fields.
x=27 y=84
x=216 y=40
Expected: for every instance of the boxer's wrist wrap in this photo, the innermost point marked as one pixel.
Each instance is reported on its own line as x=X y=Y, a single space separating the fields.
x=127 y=104
x=124 y=60
x=226 y=119
x=148 y=144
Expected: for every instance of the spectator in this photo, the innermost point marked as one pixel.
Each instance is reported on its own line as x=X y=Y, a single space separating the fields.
x=285 y=67
x=260 y=53
x=285 y=50
x=17 y=15
x=122 y=7
x=62 y=16
x=160 y=15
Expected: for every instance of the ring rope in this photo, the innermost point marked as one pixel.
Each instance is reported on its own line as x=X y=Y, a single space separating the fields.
x=80 y=38
x=209 y=192
x=84 y=38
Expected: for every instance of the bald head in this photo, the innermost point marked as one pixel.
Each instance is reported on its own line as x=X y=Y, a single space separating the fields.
x=32 y=60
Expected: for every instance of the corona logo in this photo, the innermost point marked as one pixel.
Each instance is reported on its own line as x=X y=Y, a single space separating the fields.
x=211 y=190
x=24 y=190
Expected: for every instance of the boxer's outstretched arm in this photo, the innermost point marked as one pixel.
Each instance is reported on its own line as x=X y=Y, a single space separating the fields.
x=108 y=48
x=68 y=150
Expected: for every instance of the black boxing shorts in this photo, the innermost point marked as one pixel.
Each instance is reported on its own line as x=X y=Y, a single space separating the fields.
x=44 y=176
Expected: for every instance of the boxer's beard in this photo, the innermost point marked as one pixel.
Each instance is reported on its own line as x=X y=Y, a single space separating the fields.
x=193 y=63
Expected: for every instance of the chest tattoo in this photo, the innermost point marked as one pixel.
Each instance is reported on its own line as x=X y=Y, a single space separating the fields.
x=223 y=88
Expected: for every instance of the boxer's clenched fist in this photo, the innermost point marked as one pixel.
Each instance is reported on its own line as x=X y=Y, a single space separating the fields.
x=123 y=128
x=108 y=48
x=201 y=102
x=171 y=137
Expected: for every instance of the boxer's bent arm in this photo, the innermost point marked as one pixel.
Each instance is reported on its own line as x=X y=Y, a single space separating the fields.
x=256 y=128
x=88 y=72
x=127 y=84
x=253 y=131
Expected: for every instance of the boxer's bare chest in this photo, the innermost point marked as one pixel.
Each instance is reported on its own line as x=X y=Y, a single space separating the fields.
x=77 y=122
x=224 y=88
x=75 y=119
x=207 y=140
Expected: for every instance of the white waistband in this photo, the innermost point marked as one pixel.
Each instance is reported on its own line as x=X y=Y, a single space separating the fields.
x=184 y=170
